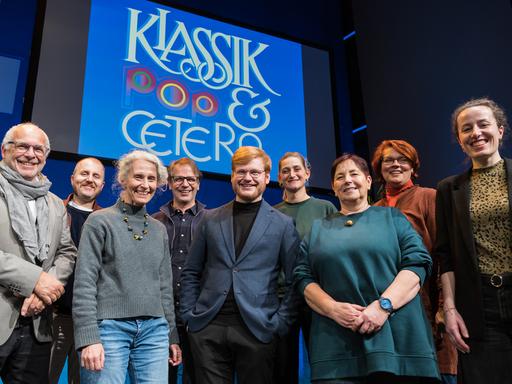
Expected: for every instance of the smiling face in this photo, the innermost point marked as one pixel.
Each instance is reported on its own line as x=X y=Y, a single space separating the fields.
x=27 y=152
x=292 y=174
x=249 y=181
x=140 y=183
x=184 y=190
x=351 y=185
x=396 y=169
x=479 y=135
x=87 y=180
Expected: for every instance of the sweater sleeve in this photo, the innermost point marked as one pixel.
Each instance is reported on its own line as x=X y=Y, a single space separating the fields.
x=288 y=257
x=302 y=273
x=414 y=255
x=166 y=291
x=430 y=214
x=88 y=268
x=330 y=208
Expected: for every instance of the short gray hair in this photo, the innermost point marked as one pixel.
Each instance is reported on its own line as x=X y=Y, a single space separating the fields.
x=125 y=163
x=9 y=135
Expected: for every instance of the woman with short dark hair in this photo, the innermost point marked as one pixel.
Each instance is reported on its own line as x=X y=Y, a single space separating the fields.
x=361 y=271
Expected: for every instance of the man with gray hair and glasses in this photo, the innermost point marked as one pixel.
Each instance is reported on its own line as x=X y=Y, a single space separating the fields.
x=36 y=255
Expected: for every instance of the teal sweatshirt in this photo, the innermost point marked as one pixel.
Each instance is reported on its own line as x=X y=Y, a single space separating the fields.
x=355 y=263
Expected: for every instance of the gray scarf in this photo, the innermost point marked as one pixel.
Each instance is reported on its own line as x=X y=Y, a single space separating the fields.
x=18 y=192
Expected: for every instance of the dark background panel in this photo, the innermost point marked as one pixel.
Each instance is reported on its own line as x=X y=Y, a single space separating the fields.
x=17 y=20
x=419 y=60
x=319 y=114
x=60 y=70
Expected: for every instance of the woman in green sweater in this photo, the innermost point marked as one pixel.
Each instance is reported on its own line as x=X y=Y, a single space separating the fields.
x=294 y=172
x=360 y=272
x=123 y=310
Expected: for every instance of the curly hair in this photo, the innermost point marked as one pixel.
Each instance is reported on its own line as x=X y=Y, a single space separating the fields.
x=497 y=111
x=403 y=148
x=124 y=165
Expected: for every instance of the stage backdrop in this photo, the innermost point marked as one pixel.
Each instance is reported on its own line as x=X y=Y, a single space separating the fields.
x=419 y=60
x=139 y=74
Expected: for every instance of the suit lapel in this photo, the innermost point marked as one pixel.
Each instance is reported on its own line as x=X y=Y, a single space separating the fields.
x=461 y=199
x=261 y=222
x=226 y=226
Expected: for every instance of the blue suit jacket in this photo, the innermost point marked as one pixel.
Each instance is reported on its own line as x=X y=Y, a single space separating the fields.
x=211 y=269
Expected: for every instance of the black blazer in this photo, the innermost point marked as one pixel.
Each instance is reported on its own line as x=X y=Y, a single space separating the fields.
x=455 y=246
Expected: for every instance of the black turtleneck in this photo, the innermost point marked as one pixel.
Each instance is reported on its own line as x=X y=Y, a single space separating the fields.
x=243 y=219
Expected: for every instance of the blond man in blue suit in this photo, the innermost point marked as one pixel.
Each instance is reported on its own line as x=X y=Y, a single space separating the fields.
x=229 y=297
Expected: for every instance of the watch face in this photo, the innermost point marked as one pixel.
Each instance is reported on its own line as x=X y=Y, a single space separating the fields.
x=385 y=304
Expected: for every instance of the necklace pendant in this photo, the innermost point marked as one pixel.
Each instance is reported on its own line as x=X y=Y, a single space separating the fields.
x=136 y=236
x=349 y=223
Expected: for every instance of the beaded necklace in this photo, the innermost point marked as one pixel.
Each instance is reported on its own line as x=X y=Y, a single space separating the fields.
x=136 y=236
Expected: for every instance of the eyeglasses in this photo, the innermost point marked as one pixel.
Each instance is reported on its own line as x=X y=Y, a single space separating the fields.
x=21 y=147
x=181 y=179
x=390 y=161
x=254 y=173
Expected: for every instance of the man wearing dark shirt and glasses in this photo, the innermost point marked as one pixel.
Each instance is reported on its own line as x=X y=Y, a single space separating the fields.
x=181 y=216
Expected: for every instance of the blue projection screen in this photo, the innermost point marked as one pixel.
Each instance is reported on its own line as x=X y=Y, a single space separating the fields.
x=179 y=84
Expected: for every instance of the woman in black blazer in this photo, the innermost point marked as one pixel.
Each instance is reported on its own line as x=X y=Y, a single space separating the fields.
x=474 y=245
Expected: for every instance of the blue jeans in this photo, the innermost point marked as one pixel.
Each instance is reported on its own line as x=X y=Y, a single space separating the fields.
x=139 y=346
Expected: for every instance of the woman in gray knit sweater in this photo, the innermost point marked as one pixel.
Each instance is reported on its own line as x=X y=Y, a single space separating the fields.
x=123 y=309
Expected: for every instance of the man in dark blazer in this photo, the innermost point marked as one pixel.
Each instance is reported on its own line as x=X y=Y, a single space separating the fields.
x=229 y=287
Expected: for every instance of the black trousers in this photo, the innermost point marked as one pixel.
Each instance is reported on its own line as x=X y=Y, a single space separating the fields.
x=23 y=359
x=380 y=378
x=220 y=352
x=490 y=359
x=188 y=362
x=286 y=367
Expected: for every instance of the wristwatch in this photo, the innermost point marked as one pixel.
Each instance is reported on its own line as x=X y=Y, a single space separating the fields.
x=386 y=304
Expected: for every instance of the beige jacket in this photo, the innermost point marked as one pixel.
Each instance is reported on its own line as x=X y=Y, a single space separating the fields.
x=18 y=275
